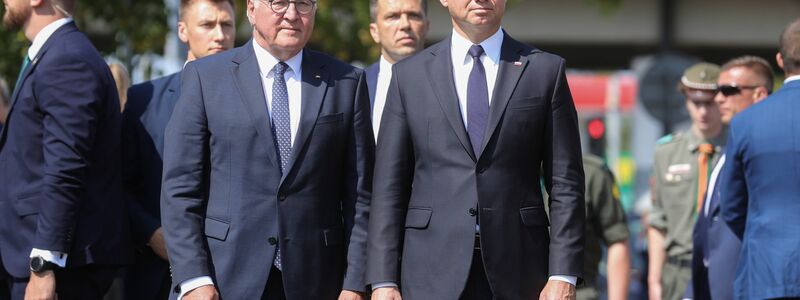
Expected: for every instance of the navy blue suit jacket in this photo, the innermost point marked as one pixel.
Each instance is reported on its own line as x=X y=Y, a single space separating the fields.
x=716 y=251
x=225 y=203
x=60 y=160
x=372 y=81
x=145 y=118
x=761 y=195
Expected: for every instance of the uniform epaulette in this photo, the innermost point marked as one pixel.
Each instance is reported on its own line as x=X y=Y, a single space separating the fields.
x=665 y=139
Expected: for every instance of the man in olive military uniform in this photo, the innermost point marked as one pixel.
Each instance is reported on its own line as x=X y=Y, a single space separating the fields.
x=605 y=224
x=681 y=168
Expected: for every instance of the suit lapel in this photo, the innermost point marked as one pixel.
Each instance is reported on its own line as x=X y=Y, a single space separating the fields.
x=511 y=66
x=15 y=95
x=314 y=85
x=440 y=67
x=249 y=84
x=372 y=82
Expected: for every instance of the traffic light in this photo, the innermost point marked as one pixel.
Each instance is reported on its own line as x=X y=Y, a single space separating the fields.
x=596 y=128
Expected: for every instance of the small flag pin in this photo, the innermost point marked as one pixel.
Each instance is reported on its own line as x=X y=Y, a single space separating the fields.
x=518 y=63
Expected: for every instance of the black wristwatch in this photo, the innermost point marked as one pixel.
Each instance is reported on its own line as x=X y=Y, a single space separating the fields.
x=39 y=265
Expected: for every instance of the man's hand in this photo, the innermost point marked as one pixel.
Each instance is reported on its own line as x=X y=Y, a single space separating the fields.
x=386 y=293
x=557 y=290
x=158 y=244
x=350 y=295
x=654 y=289
x=206 y=292
x=41 y=286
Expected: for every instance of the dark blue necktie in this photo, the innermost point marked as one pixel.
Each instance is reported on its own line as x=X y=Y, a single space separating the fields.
x=477 y=100
x=25 y=64
x=281 y=127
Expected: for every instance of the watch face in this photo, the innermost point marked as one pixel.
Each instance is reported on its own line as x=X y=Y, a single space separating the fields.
x=37 y=263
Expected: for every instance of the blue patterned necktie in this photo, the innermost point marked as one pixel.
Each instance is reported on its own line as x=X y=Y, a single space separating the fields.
x=281 y=127
x=477 y=100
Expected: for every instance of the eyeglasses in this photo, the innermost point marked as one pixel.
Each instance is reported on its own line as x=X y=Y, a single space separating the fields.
x=303 y=7
x=732 y=90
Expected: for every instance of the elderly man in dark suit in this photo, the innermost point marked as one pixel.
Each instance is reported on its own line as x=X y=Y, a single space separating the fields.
x=457 y=210
x=62 y=225
x=207 y=27
x=268 y=167
x=760 y=195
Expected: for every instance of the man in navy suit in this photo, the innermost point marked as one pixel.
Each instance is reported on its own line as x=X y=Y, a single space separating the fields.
x=268 y=168
x=207 y=27
x=470 y=125
x=760 y=194
x=399 y=27
x=62 y=220
x=742 y=82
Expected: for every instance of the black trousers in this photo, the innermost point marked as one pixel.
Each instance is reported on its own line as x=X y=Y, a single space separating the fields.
x=80 y=283
x=477 y=287
x=274 y=289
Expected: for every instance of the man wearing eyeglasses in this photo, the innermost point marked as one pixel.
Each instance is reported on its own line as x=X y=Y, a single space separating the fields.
x=742 y=82
x=681 y=167
x=267 y=168
x=760 y=194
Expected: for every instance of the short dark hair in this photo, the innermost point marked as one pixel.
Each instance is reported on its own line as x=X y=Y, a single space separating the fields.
x=373 y=9
x=186 y=3
x=790 y=47
x=758 y=65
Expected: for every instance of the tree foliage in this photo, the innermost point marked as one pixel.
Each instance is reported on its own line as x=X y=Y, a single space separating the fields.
x=118 y=27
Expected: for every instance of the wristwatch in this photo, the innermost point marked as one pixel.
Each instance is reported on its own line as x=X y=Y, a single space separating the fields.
x=39 y=265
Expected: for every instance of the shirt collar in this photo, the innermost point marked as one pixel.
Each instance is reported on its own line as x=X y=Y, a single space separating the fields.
x=491 y=46
x=791 y=78
x=44 y=35
x=385 y=66
x=719 y=141
x=266 y=61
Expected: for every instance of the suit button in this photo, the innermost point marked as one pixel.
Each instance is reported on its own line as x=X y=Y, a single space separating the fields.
x=473 y=212
x=272 y=241
x=281 y=197
x=481 y=170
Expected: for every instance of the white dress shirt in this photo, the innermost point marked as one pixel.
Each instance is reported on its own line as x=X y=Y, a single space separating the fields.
x=462 y=66
x=55 y=257
x=712 y=182
x=791 y=78
x=382 y=88
x=293 y=77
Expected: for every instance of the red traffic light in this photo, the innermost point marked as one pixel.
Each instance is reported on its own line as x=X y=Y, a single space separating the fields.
x=596 y=128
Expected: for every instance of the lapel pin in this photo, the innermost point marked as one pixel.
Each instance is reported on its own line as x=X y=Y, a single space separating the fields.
x=518 y=63
x=317 y=76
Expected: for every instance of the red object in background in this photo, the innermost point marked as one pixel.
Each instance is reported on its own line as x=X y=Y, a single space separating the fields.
x=589 y=91
x=596 y=128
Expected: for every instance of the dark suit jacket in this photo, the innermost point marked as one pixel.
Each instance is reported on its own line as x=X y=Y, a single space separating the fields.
x=224 y=201
x=144 y=121
x=60 y=160
x=717 y=246
x=429 y=183
x=372 y=81
x=761 y=195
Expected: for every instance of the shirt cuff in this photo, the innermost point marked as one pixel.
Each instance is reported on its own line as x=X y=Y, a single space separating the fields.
x=384 y=284
x=573 y=280
x=191 y=284
x=55 y=257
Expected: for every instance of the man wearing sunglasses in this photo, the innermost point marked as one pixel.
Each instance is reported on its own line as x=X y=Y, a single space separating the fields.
x=681 y=167
x=267 y=168
x=760 y=194
x=742 y=82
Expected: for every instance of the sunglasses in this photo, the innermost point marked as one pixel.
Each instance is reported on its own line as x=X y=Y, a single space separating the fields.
x=732 y=90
